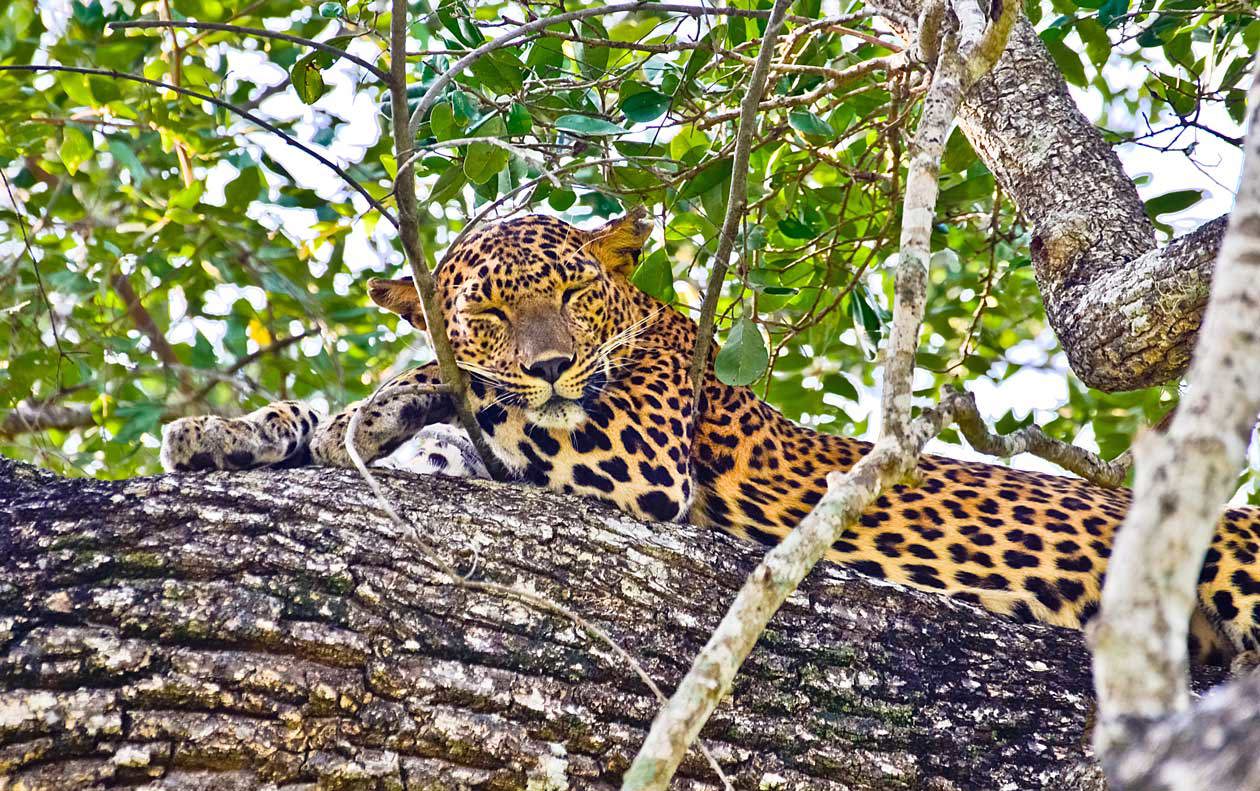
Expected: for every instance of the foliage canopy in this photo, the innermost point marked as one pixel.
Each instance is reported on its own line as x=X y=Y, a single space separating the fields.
x=161 y=254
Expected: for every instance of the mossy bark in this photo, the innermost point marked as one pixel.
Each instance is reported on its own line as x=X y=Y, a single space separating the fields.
x=230 y=630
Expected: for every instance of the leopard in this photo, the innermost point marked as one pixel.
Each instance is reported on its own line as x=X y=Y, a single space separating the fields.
x=580 y=383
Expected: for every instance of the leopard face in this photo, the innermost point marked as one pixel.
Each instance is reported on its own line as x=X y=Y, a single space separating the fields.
x=537 y=311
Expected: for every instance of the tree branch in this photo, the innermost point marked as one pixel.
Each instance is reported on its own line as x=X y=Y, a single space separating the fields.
x=1182 y=478
x=383 y=76
x=1031 y=439
x=144 y=322
x=892 y=459
x=1125 y=310
x=409 y=231
x=230 y=630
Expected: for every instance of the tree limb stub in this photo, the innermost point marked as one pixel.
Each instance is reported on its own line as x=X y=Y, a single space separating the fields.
x=222 y=630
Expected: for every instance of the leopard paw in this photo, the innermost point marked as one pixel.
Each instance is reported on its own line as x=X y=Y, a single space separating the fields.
x=438 y=449
x=199 y=443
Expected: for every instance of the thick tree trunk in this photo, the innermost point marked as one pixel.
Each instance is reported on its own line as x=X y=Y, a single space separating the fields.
x=227 y=630
x=1126 y=311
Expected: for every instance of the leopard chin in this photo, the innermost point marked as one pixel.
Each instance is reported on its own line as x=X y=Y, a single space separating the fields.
x=557 y=413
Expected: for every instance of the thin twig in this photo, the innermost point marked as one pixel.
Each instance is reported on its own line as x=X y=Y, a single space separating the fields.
x=1031 y=439
x=737 y=197
x=413 y=246
x=380 y=74
x=891 y=460
x=217 y=102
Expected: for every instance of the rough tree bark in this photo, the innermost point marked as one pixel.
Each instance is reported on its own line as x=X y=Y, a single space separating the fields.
x=1183 y=476
x=1125 y=310
x=229 y=629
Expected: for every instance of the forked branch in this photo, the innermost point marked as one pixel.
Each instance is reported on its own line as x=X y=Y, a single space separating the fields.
x=895 y=454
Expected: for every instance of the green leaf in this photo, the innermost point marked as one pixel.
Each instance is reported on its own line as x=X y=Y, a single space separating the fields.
x=244 y=188
x=1097 y=44
x=807 y=123
x=500 y=71
x=308 y=81
x=1171 y=202
x=1112 y=11
x=519 y=121
x=866 y=318
x=442 y=122
x=76 y=148
x=588 y=126
x=655 y=276
x=484 y=161
x=123 y=154
x=840 y=385
x=645 y=106
x=744 y=357
x=448 y=184
x=560 y=200
x=794 y=228
x=706 y=179
x=1159 y=31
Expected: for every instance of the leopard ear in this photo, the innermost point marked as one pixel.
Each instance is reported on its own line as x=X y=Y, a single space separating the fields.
x=618 y=243
x=398 y=296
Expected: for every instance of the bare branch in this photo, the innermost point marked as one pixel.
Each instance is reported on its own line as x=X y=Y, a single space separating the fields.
x=1182 y=478
x=144 y=322
x=217 y=102
x=737 y=197
x=409 y=231
x=891 y=460
x=1031 y=439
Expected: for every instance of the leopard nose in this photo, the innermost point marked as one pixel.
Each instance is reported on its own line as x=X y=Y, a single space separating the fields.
x=550 y=369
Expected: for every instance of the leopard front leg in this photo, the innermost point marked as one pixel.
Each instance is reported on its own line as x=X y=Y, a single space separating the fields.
x=276 y=433
x=393 y=415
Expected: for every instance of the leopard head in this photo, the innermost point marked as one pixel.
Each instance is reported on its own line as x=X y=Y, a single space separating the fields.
x=538 y=310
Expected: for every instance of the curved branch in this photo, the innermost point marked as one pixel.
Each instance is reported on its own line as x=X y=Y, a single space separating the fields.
x=205 y=97
x=144 y=24
x=413 y=245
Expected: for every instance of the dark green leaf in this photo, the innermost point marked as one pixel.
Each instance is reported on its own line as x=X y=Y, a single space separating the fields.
x=588 y=126
x=807 y=123
x=645 y=106
x=307 y=80
x=744 y=357
x=519 y=121
x=1171 y=202
x=655 y=276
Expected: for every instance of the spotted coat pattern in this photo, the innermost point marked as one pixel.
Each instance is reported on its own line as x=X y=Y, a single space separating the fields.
x=580 y=385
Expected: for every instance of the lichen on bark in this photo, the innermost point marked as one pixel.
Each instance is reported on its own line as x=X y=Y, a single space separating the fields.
x=229 y=629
